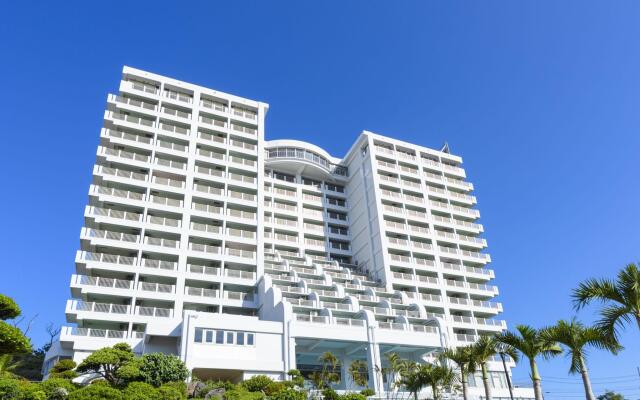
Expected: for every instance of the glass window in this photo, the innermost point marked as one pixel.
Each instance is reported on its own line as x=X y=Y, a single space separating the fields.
x=208 y=336
x=220 y=337
x=229 y=338
x=240 y=338
x=250 y=339
x=198 y=338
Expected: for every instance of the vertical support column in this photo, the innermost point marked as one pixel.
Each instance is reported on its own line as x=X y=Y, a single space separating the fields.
x=345 y=363
x=374 y=366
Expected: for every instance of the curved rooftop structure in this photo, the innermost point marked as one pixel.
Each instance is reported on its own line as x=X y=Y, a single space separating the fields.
x=301 y=157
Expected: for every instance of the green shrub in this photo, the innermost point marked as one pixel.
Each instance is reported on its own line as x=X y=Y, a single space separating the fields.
x=98 y=391
x=367 y=392
x=50 y=385
x=159 y=368
x=31 y=391
x=140 y=391
x=9 y=389
x=64 y=369
x=257 y=383
x=220 y=384
x=8 y=308
x=240 y=393
x=353 y=396
x=289 y=394
x=172 y=391
x=275 y=387
x=330 y=394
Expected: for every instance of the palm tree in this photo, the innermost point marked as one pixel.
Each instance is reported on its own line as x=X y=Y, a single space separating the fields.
x=329 y=374
x=358 y=373
x=463 y=358
x=482 y=351
x=438 y=377
x=532 y=343
x=621 y=299
x=410 y=378
x=504 y=351
x=576 y=337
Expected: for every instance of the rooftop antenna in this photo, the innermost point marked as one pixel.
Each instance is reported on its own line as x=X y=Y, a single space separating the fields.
x=445 y=148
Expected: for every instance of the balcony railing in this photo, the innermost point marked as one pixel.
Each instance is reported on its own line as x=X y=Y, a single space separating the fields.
x=156 y=287
x=99 y=281
x=200 y=292
x=111 y=213
x=154 y=312
x=109 y=308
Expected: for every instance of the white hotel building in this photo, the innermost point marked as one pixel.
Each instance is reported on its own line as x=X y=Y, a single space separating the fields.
x=245 y=256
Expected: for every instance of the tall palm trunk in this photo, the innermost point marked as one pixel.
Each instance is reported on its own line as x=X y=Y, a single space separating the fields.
x=535 y=377
x=485 y=381
x=585 y=380
x=506 y=374
x=465 y=384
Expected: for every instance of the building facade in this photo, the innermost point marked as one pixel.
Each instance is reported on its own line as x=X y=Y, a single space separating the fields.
x=245 y=256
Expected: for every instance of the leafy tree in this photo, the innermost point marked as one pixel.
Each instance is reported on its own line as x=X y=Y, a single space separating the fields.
x=53 y=385
x=358 y=373
x=9 y=388
x=29 y=365
x=575 y=337
x=7 y=366
x=12 y=340
x=463 y=357
x=532 y=343
x=64 y=369
x=158 y=368
x=107 y=361
x=329 y=374
x=289 y=394
x=96 y=391
x=620 y=298
x=610 y=395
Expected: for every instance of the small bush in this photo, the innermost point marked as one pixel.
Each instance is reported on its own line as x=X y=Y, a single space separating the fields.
x=275 y=387
x=50 y=385
x=367 y=392
x=353 y=396
x=289 y=394
x=9 y=388
x=31 y=391
x=171 y=392
x=97 y=392
x=240 y=393
x=330 y=394
x=257 y=383
x=140 y=391
x=220 y=384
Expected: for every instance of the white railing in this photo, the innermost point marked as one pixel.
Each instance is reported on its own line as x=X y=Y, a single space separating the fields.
x=241 y=253
x=213 y=105
x=160 y=180
x=156 y=241
x=231 y=295
x=132 y=119
x=241 y=195
x=122 y=173
x=206 y=248
x=349 y=322
x=174 y=128
x=129 y=155
x=424 y=328
x=171 y=145
x=244 y=129
x=391 y=326
x=156 y=287
x=98 y=333
x=211 y=137
x=208 y=208
x=202 y=269
x=111 y=213
x=111 y=235
x=152 y=219
x=198 y=187
x=164 y=162
x=143 y=87
x=154 y=312
x=317 y=319
x=200 y=292
x=107 y=258
x=196 y=226
x=109 y=308
x=125 y=194
x=175 y=95
x=100 y=281
x=234 y=273
x=159 y=264
x=166 y=201
x=243 y=145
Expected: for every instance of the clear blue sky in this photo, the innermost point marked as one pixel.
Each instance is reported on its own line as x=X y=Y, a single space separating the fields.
x=541 y=98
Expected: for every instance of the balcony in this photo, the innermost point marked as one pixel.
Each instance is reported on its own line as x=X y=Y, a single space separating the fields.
x=98 y=281
x=100 y=333
x=156 y=287
x=233 y=273
x=160 y=180
x=154 y=312
x=128 y=155
x=106 y=258
x=200 y=292
x=109 y=308
x=120 y=173
x=159 y=264
x=139 y=121
x=202 y=270
x=120 y=193
x=242 y=296
x=198 y=187
x=111 y=213
x=205 y=248
x=110 y=235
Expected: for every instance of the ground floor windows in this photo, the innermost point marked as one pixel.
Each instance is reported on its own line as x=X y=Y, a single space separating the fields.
x=215 y=336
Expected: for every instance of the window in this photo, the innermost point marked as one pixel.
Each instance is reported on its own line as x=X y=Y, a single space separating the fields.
x=220 y=337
